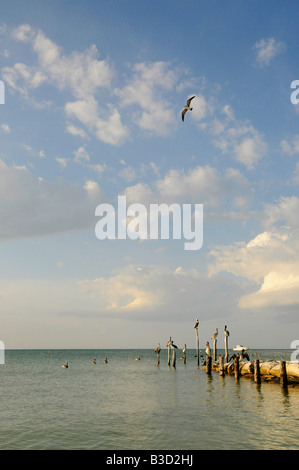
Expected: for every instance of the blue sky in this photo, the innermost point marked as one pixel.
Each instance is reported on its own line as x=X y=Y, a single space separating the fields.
x=94 y=94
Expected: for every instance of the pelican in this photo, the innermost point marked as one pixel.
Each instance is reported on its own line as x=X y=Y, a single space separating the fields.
x=106 y=361
x=173 y=345
x=208 y=350
x=65 y=366
x=244 y=355
x=214 y=336
x=158 y=349
x=137 y=358
x=168 y=343
x=225 y=331
x=187 y=107
x=196 y=323
x=184 y=350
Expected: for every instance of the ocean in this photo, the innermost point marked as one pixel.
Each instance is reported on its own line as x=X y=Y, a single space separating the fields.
x=130 y=404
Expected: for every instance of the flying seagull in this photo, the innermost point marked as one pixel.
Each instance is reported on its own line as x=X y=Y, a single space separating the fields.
x=187 y=107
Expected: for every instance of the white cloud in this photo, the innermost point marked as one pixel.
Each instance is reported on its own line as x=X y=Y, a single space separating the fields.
x=77 y=131
x=5 y=128
x=62 y=161
x=144 y=92
x=201 y=185
x=286 y=212
x=128 y=173
x=81 y=73
x=110 y=131
x=81 y=155
x=250 y=150
x=156 y=293
x=270 y=260
x=267 y=49
x=290 y=148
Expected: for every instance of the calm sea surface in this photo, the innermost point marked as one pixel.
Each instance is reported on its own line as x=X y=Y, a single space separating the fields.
x=138 y=405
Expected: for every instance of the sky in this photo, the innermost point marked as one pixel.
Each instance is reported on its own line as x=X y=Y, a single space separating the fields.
x=94 y=92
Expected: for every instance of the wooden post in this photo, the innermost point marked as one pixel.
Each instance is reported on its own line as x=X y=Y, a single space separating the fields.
x=237 y=370
x=215 y=350
x=257 y=372
x=184 y=353
x=226 y=349
x=208 y=365
x=197 y=346
x=168 y=345
x=173 y=357
x=221 y=366
x=283 y=375
x=226 y=343
x=157 y=351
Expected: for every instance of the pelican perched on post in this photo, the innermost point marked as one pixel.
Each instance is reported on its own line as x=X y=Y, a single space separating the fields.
x=196 y=323
x=208 y=349
x=214 y=336
x=226 y=333
x=173 y=345
x=158 y=349
x=187 y=107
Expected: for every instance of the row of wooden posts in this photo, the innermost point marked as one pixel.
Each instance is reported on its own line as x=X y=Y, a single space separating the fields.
x=257 y=373
x=170 y=345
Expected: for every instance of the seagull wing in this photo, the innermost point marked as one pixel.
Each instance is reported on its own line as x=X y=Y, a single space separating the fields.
x=189 y=100
x=183 y=114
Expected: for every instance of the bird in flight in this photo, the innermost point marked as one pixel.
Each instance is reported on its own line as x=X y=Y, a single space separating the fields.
x=187 y=107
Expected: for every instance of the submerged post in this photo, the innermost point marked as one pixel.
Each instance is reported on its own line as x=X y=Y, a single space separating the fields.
x=257 y=372
x=283 y=375
x=221 y=366
x=209 y=365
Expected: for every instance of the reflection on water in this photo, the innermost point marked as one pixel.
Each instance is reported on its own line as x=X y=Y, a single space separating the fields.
x=128 y=404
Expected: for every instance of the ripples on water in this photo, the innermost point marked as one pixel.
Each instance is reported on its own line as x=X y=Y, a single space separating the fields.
x=129 y=404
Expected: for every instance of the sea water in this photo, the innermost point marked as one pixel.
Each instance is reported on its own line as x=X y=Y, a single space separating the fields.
x=130 y=404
